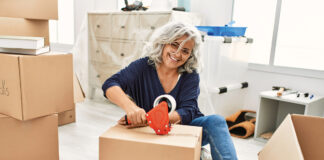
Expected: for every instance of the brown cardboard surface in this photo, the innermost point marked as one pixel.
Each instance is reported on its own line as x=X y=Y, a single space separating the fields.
x=45 y=81
x=10 y=93
x=24 y=27
x=29 y=140
x=298 y=138
x=310 y=132
x=66 y=117
x=183 y=142
x=32 y=9
x=79 y=95
x=284 y=140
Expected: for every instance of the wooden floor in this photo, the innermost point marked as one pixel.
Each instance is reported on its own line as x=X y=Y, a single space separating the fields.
x=79 y=141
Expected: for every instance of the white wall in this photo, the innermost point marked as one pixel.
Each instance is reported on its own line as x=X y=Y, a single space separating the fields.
x=81 y=7
x=215 y=12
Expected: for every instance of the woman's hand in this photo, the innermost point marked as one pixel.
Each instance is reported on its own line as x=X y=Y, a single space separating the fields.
x=136 y=117
x=123 y=122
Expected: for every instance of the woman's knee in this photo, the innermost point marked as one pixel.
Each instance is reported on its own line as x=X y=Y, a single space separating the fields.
x=216 y=120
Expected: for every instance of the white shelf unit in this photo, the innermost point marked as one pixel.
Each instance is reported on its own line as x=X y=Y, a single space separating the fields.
x=273 y=109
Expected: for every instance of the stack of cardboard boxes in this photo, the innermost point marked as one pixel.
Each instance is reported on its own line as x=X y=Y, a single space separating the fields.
x=36 y=92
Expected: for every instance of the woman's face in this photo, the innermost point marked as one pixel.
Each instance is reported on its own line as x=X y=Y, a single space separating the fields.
x=172 y=58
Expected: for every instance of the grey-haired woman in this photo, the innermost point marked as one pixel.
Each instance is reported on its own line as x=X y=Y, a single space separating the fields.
x=170 y=67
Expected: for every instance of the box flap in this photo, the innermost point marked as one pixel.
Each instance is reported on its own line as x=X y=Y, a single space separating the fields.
x=180 y=135
x=79 y=95
x=283 y=144
x=47 y=84
x=32 y=9
x=66 y=117
x=24 y=27
x=310 y=132
x=10 y=91
x=3 y=116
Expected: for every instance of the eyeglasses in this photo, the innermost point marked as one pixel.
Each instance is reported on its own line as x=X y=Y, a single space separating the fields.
x=183 y=51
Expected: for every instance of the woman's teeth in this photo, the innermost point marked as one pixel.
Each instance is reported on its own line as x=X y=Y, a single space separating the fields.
x=174 y=59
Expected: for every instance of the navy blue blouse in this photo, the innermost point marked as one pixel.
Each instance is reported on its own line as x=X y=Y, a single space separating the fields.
x=140 y=81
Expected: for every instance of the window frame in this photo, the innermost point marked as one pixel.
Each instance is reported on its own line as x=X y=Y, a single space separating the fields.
x=270 y=67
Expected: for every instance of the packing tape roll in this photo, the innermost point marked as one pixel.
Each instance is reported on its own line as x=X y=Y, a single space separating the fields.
x=170 y=100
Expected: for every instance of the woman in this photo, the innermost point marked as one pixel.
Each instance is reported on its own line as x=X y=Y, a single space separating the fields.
x=169 y=68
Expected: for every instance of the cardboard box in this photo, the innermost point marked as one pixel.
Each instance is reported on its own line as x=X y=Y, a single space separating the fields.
x=298 y=137
x=35 y=86
x=24 y=27
x=183 y=142
x=29 y=140
x=66 y=117
x=32 y=9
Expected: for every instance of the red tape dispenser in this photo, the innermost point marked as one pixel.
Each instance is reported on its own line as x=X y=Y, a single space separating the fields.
x=158 y=117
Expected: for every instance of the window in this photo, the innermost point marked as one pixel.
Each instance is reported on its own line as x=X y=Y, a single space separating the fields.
x=62 y=30
x=300 y=35
x=259 y=17
x=288 y=32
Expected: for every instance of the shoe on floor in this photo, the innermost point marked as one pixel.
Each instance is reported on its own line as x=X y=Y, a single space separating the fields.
x=237 y=117
x=243 y=129
x=205 y=154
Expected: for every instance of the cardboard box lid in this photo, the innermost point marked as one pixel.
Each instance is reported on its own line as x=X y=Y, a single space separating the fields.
x=24 y=27
x=298 y=137
x=180 y=135
x=32 y=9
x=310 y=134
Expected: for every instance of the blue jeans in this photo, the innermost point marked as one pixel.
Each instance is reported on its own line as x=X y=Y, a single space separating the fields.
x=215 y=132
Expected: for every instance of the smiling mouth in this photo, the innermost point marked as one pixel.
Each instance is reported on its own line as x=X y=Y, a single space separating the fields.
x=172 y=58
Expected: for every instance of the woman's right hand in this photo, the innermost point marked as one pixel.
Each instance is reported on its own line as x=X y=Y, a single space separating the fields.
x=136 y=115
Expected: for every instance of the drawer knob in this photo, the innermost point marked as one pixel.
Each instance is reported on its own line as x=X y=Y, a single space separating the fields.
x=98 y=26
x=98 y=76
x=122 y=27
x=152 y=27
x=97 y=51
x=122 y=54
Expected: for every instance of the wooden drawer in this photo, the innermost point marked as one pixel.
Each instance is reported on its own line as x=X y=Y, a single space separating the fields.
x=99 y=25
x=150 y=22
x=99 y=72
x=125 y=26
x=117 y=52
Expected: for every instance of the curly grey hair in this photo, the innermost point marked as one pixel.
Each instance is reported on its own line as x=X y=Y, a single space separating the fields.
x=168 y=34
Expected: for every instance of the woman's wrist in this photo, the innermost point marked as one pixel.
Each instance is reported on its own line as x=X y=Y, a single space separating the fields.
x=175 y=118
